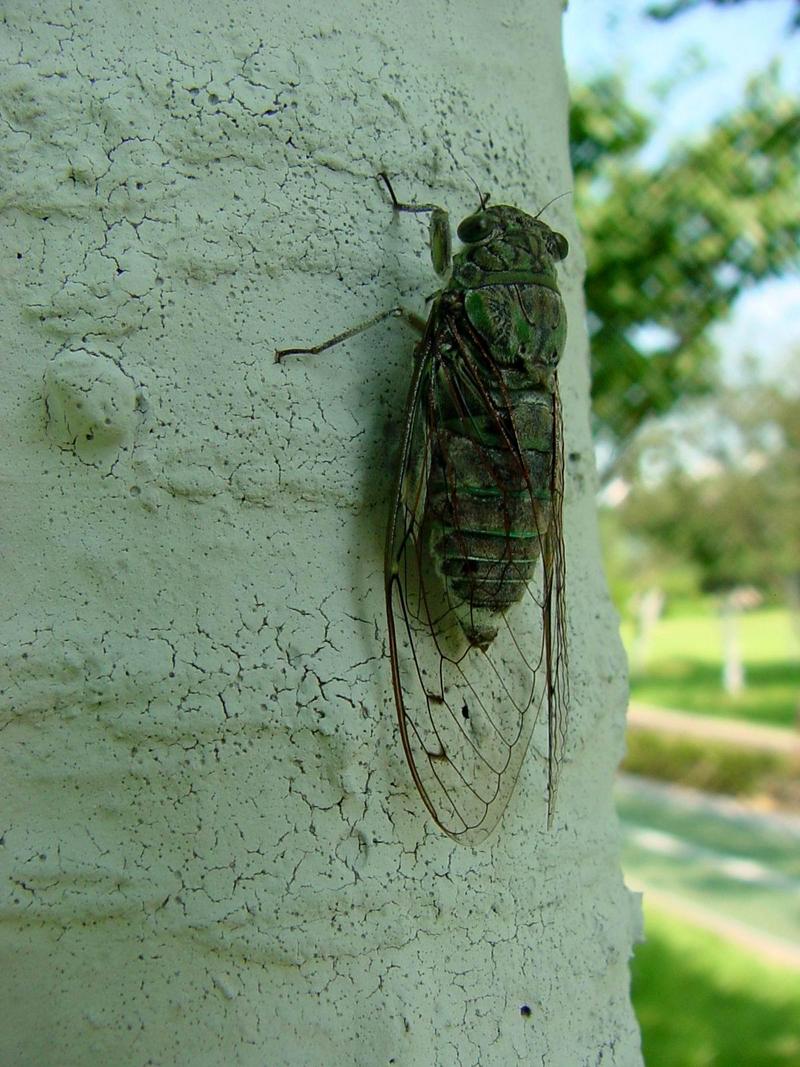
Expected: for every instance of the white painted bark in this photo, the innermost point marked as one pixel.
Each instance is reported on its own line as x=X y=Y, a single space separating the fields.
x=213 y=853
x=732 y=662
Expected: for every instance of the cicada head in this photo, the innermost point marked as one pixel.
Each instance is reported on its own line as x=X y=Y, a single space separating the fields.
x=504 y=238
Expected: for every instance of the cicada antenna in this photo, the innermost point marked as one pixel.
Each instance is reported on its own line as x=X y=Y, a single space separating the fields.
x=483 y=197
x=549 y=202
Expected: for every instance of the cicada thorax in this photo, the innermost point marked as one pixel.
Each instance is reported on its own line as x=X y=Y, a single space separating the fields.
x=494 y=456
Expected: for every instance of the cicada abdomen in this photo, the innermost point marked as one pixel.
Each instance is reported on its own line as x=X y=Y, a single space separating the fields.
x=491 y=503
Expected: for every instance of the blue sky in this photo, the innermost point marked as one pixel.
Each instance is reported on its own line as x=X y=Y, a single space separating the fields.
x=729 y=46
x=735 y=43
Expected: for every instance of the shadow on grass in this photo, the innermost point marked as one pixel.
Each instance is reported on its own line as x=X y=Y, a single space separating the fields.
x=701 y=1003
x=770 y=695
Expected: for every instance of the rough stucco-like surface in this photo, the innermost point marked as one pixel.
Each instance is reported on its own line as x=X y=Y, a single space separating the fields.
x=212 y=853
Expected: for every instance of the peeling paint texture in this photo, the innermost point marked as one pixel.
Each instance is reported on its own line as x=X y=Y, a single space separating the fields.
x=212 y=850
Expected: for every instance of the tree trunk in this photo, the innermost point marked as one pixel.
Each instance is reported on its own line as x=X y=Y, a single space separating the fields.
x=214 y=851
x=648 y=607
x=732 y=663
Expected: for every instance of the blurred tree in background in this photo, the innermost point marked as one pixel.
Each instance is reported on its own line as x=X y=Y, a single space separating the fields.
x=734 y=514
x=671 y=245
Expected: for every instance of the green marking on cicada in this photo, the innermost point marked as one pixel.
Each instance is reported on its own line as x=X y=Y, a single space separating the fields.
x=475 y=524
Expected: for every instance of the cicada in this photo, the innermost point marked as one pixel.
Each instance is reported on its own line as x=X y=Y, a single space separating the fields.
x=475 y=525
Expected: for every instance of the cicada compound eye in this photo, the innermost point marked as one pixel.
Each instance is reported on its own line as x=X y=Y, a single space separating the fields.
x=475 y=228
x=558 y=245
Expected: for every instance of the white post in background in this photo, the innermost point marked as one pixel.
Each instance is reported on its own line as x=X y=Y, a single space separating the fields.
x=213 y=853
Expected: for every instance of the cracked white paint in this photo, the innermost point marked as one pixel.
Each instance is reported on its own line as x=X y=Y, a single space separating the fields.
x=212 y=850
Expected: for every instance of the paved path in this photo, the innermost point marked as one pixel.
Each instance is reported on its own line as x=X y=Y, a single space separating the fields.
x=714 y=728
x=716 y=862
x=771 y=949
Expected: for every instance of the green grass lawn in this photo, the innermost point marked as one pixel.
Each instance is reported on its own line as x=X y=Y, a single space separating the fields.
x=704 y=1003
x=684 y=665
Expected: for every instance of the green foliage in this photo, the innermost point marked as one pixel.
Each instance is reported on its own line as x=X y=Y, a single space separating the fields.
x=671 y=246
x=737 y=524
x=703 y=1003
x=711 y=766
x=670 y=8
x=603 y=125
x=701 y=520
x=632 y=565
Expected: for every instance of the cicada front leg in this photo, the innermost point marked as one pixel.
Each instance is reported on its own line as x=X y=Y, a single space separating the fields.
x=441 y=242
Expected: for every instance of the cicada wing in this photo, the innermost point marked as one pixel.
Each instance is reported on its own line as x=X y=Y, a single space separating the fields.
x=554 y=619
x=466 y=710
x=407 y=611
